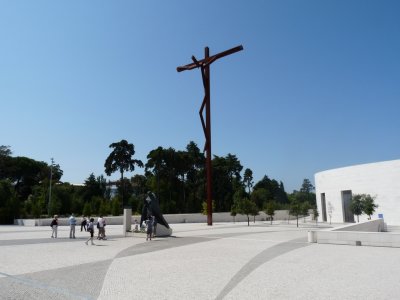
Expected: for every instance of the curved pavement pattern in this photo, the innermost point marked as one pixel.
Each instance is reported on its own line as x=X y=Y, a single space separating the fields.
x=225 y=261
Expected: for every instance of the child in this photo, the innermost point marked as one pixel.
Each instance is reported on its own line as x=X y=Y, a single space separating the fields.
x=149 y=228
x=143 y=227
x=136 y=226
x=91 y=231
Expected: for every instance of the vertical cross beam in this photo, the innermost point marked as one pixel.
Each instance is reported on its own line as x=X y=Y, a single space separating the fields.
x=208 y=137
x=204 y=66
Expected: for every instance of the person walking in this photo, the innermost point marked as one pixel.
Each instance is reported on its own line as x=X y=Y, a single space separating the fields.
x=104 y=229
x=72 y=224
x=83 y=223
x=154 y=226
x=149 y=228
x=100 y=226
x=54 y=225
x=90 y=229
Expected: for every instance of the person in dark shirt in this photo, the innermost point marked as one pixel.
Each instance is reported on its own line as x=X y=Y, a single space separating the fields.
x=83 y=223
x=90 y=229
x=149 y=228
x=54 y=226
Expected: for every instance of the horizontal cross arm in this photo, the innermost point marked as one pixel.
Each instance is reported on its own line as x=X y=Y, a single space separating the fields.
x=209 y=60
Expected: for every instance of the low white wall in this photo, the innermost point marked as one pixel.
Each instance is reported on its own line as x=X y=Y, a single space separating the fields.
x=223 y=217
x=368 y=226
x=362 y=234
x=26 y=222
x=377 y=239
x=170 y=218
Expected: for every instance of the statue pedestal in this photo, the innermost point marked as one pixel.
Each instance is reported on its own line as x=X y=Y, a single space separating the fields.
x=163 y=231
x=127 y=221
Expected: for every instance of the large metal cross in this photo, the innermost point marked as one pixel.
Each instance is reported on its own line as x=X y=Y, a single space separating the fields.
x=204 y=66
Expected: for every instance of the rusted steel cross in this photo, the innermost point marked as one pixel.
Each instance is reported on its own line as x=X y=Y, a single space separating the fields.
x=204 y=66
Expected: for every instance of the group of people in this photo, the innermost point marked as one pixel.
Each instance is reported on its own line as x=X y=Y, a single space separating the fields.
x=149 y=226
x=101 y=226
x=85 y=225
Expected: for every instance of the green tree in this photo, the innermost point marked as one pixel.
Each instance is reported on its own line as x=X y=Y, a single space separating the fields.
x=87 y=210
x=136 y=202
x=306 y=193
x=156 y=163
x=270 y=210
x=115 y=207
x=239 y=195
x=120 y=159
x=233 y=212
x=254 y=212
x=307 y=186
x=295 y=210
x=226 y=180
x=5 y=150
x=36 y=203
x=369 y=205
x=94 y=187
x=356 y=205
x=246 y=207
x=64 y=193
x=195 y=177
x=275 y=190
x=8 y=202
x=182 y=167
x=248 y=179
x=26 y=175
x=125 y=187
x=166 y=172
x=315 y=215
x=304 y=207
x=260 y=196
x=104 y=209
x=139 y=183
x=5 y=162
x=204 y=210
x=54 y=205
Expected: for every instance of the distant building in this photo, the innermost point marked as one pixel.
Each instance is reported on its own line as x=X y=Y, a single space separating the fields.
x=334 y=189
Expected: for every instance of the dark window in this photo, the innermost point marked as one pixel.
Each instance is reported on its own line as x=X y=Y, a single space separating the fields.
x=348 y=216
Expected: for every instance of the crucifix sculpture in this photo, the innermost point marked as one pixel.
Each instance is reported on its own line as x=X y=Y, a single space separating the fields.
x=204 y=66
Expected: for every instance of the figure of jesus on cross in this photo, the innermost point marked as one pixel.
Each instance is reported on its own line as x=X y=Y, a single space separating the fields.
x=204 y=66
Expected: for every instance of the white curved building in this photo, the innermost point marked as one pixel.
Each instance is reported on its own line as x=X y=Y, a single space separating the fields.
x=334 y=188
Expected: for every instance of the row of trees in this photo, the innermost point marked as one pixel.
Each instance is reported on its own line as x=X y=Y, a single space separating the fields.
x=178 y=179
x=176 y=176
x=298 y=203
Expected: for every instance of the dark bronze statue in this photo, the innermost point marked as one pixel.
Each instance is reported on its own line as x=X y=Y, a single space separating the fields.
x=151 y=208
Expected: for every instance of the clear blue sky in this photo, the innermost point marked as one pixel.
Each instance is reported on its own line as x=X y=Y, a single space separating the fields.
x=316 y=87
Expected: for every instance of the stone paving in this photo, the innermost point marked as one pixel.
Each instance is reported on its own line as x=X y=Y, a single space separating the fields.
x=225 y=261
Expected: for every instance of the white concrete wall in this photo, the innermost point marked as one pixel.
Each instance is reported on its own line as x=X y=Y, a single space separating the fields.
x=360 y=234
x=368 y=226
x=381 y=179
x=170 y=218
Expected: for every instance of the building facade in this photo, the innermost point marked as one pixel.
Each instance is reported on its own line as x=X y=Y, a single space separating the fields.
x=334 y=189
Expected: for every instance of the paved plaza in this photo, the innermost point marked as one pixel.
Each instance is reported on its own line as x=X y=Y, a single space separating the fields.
x=225 y=261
